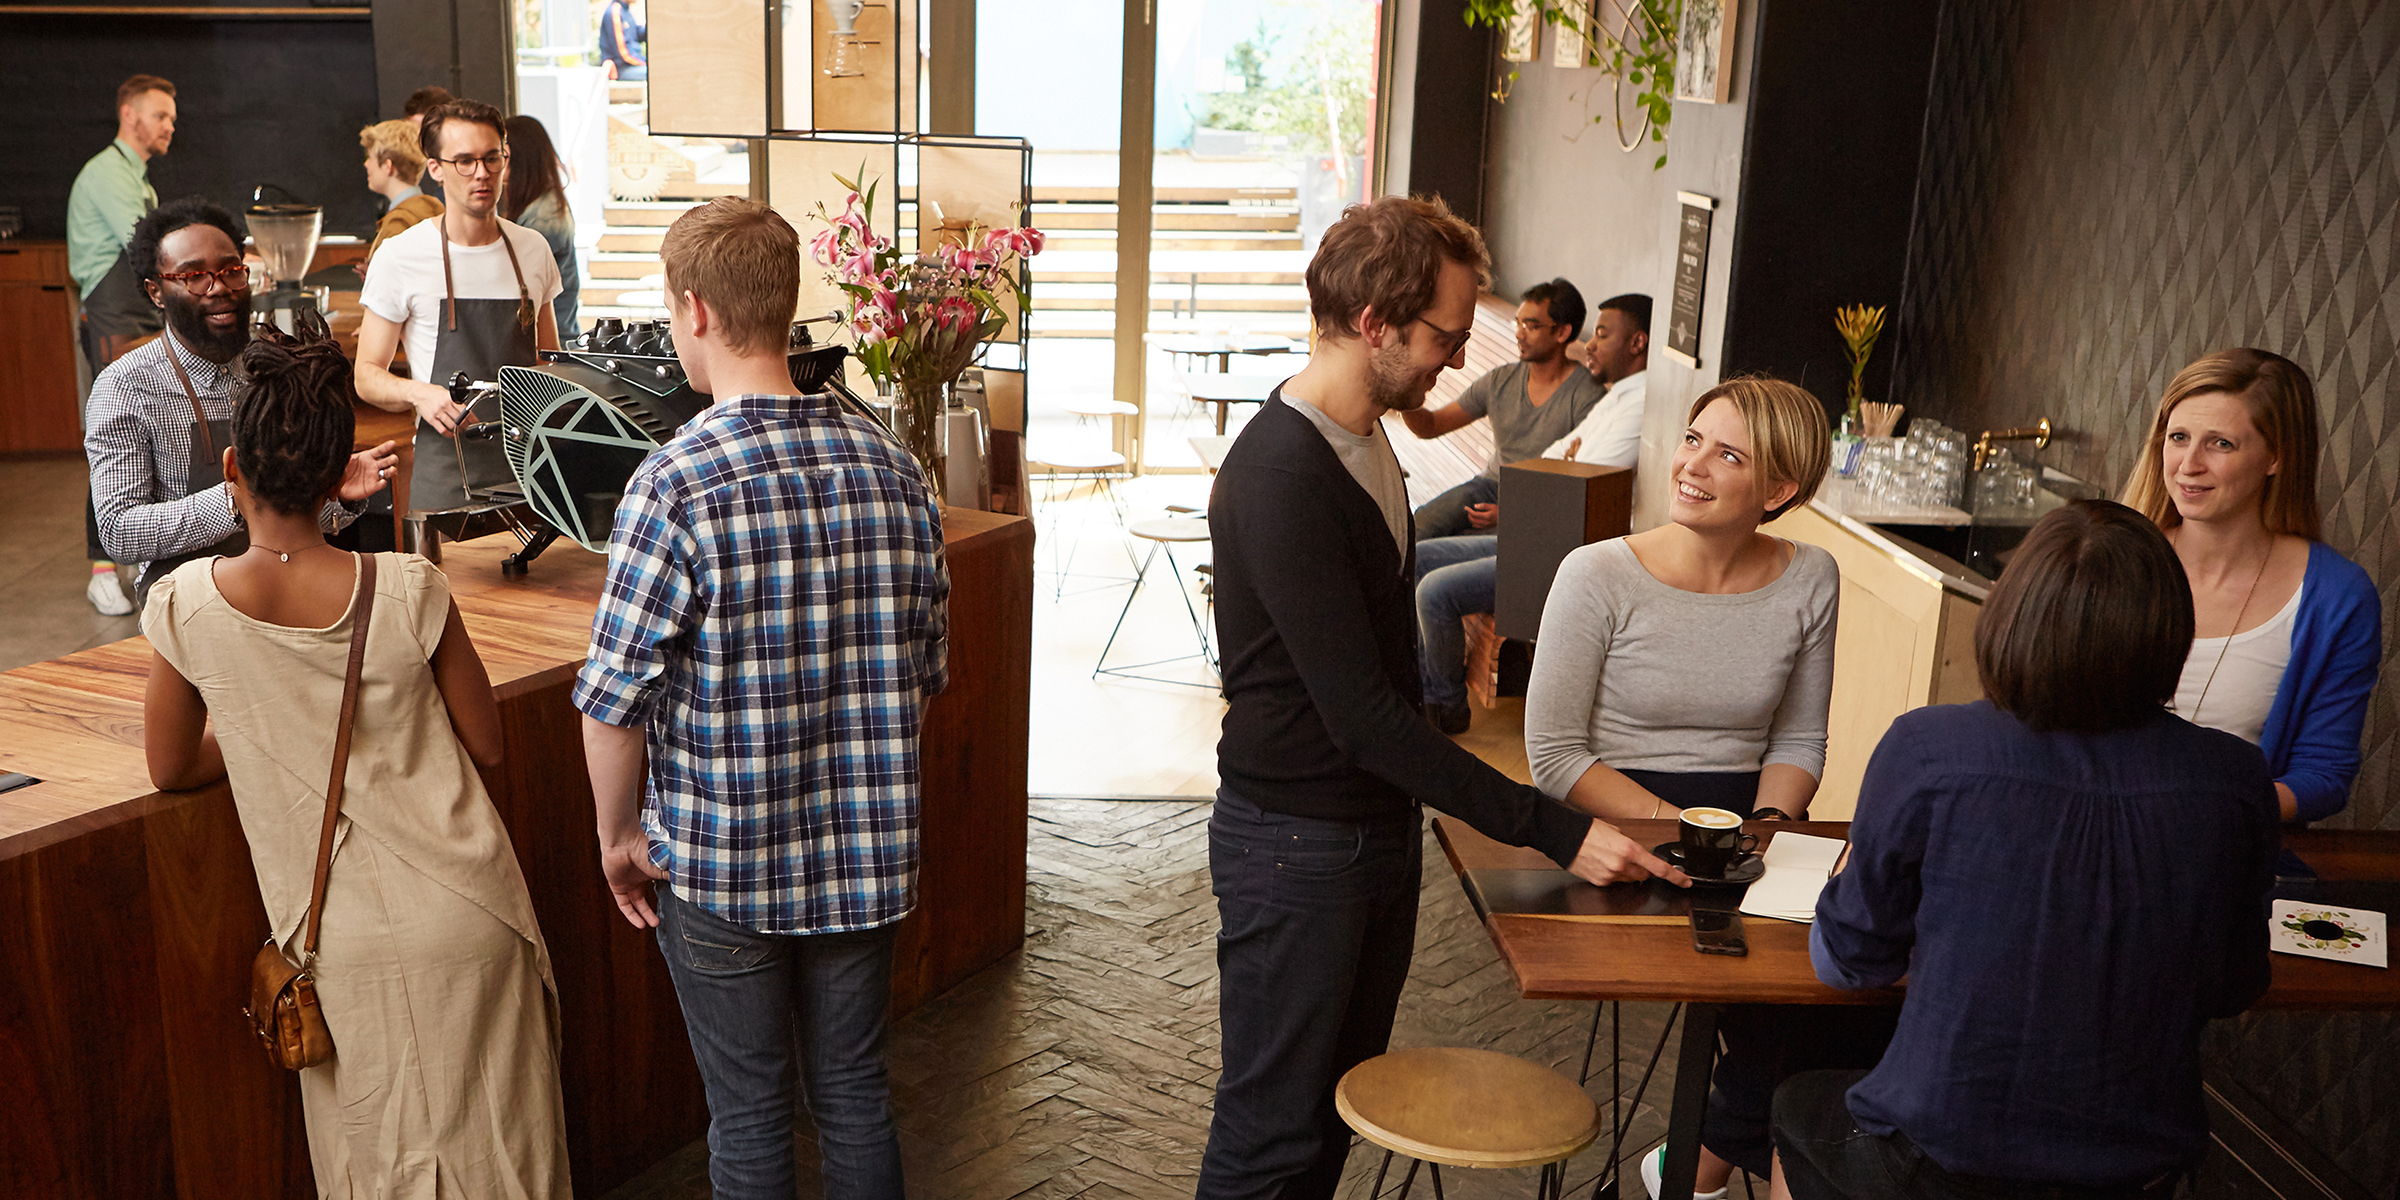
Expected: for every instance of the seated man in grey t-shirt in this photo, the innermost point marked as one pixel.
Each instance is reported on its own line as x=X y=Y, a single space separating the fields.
x=1532 y=402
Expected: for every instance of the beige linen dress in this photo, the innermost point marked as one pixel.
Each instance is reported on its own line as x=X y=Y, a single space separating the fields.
x=432 y=973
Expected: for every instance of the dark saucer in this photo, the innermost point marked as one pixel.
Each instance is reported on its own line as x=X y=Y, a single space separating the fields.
x=1745 y=869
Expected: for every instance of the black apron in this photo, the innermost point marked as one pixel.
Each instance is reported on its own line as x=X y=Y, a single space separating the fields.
x=478 y=337
x=207 y=470
x=118 y=307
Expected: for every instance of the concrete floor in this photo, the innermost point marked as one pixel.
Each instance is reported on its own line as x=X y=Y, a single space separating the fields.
x=41 y=586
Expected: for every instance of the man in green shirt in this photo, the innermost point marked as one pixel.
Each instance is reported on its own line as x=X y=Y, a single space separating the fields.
x=113 y=190
x=111 y=193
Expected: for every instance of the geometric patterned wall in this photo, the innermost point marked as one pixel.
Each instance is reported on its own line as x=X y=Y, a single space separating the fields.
x=2109 y=190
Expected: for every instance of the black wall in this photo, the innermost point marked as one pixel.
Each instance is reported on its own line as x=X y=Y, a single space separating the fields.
x=1447 y=133
x=258 y=101
x=1829 y=176
x=2109 y=191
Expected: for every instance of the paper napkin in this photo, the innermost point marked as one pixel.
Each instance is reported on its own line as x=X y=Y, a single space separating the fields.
x=1798 y=865
x=2352 y=935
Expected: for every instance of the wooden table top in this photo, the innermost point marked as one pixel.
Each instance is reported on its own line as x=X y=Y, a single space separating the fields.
x=1583 y=958
x=75 y=723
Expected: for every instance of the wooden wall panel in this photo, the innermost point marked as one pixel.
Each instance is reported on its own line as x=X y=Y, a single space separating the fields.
x=982 y=184
x=867 y=103
x=708 y=68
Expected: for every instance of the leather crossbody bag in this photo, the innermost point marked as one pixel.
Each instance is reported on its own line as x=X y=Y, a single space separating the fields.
x=283 y=998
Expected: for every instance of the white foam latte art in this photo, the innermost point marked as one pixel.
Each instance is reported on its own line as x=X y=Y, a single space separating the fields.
x=1711 y=818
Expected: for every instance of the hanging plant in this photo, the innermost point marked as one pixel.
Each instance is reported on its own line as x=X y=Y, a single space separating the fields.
x=1636 y=49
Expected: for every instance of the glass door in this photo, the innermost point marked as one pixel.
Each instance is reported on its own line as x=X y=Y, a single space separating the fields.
x=1264 y=116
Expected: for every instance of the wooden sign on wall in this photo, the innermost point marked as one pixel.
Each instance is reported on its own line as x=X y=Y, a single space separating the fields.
x=1691 y=277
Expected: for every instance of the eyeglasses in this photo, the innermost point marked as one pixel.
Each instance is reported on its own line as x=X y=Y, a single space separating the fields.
x=232 y=279
x=1455 y=339
x=490 y=163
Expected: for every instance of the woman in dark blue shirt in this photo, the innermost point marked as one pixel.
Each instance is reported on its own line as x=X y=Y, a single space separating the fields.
x=2073 y=880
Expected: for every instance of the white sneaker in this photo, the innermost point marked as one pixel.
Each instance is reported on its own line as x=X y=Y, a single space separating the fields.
x=107 y=595
x=1654 y=1169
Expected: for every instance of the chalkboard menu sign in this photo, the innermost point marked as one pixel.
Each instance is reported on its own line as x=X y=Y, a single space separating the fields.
x=1691 y=277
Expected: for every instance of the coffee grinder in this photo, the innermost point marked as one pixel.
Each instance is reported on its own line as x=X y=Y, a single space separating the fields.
x=286 y=236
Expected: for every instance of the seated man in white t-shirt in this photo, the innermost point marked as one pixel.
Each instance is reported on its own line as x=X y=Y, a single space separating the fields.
x=1458 y=576
x=469 y=292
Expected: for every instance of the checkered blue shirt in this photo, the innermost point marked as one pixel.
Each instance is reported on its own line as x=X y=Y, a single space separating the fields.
x=775 y=617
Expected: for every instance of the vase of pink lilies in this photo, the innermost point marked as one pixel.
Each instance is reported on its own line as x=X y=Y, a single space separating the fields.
x=919 y=322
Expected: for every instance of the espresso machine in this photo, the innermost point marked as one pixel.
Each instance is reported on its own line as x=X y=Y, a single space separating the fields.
x=286 y=236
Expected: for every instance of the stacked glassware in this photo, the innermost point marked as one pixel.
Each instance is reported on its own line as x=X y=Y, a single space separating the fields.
x=2005 y=486
x=1925 y=469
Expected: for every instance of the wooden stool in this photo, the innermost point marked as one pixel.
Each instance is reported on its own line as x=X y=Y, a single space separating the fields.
x=1448 y=1105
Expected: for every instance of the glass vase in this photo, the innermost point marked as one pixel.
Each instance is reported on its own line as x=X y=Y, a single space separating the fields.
x=917 y=420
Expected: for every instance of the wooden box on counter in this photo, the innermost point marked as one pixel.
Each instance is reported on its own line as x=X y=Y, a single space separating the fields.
x=133 y=914
x=1548 y=508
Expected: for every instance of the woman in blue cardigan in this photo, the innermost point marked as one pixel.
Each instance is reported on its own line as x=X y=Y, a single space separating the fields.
x=2289 y=632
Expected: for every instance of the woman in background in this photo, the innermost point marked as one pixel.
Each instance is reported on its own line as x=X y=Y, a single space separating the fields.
x=431 y=972
x=2289 y=632
x=537 y=199
x=2074 y=882
x=395 y=166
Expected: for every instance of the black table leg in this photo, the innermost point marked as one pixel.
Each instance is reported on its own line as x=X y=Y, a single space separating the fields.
x=1692 y=1067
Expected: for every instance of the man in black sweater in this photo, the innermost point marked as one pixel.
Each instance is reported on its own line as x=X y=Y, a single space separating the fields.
x=1315 y=844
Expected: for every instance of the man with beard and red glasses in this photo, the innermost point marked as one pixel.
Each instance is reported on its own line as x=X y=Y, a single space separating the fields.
x=160 y=419
x=1327 y=758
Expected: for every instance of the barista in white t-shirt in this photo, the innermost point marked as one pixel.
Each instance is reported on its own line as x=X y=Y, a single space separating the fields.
x=470 y=293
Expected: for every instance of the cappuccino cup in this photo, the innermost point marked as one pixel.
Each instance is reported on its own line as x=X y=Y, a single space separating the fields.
x=1713 y=841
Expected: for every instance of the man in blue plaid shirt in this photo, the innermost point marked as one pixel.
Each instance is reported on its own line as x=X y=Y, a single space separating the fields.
x=772 y=624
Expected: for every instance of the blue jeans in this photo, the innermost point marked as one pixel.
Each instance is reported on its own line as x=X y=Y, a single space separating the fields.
x=758 y=1006
x=1446 y=515
x=1317 y=920
x=1455 y=576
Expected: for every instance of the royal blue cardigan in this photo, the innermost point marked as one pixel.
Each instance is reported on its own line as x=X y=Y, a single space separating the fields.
x=2311 y=735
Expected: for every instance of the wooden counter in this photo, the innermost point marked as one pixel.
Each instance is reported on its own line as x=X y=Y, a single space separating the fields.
x=1905 y=638
x=132 y=914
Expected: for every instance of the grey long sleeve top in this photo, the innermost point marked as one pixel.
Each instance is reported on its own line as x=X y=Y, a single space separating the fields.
x=1643 y=676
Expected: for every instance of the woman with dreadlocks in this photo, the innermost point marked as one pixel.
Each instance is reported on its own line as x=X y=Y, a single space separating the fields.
x=429 y=968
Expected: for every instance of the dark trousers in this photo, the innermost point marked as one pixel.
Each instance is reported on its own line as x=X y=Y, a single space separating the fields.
x=1317 y=922
x=1766 y=1044
x=1826 y=1156
x=764 y=1008
x=92 y=549
x=1446 y=515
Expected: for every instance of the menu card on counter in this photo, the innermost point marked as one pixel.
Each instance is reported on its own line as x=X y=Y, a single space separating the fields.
x=1798 y=865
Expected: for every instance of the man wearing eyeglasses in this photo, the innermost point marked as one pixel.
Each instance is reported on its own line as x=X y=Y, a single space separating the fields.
x=465 y=292
x=1315 y=845
x=160 y=420
x=1532 y=402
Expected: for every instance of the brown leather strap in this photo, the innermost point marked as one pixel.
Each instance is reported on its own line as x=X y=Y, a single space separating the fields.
x=525 y=312
x=208 y=443
x=362 y=607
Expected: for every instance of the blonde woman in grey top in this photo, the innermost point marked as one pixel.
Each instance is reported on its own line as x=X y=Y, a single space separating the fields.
x=1693 y=663
x=1690 y=665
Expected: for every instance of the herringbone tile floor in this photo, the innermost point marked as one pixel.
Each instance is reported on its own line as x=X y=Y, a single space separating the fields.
x=1084 y=1065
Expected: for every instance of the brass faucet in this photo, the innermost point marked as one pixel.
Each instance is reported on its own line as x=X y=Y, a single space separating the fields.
x=2038 y=434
